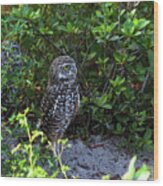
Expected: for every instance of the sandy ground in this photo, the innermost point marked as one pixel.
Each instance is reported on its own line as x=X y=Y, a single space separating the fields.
x=101 y=157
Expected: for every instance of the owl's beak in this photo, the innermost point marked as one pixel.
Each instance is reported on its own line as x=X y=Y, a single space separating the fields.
x=73 y=72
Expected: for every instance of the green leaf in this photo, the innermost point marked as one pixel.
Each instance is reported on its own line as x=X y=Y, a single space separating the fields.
x=138 y=33
x=142 y=23
x=65 y=168
x=84 y=99
x=131 y=58
x=133 y=12
x=143 y=173
x=128 y=27
x=148 y=134
x=55 y=173
x=102 y=60
x=129 y=175
x=118 y=57
x=107 y=106
x=37 y=172
x=106 y=177
x=99 y=14
x=101 y=100
x=35 y=134
x=63 y=141
x=118 y=81
x=91 y=56
x=122 y=12
x=114 y=38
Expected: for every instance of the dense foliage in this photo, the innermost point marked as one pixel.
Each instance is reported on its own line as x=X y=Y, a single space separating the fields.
x=113 y=46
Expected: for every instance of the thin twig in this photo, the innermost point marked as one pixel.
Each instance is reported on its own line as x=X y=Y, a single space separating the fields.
x=144 y=83
x=107 y=77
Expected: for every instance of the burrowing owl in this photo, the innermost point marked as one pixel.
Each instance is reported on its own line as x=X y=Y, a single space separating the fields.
x=61 y=100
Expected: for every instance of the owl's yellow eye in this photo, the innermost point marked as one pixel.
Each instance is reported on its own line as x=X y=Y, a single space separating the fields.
x=66 y=68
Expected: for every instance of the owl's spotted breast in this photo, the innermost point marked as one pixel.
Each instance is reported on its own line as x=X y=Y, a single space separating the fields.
x=63 y=104
x=66 y=101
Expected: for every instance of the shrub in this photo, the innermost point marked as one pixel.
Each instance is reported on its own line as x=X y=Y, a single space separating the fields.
x=113 y=46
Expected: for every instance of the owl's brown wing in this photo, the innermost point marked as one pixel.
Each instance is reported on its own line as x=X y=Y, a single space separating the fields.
x=48 y=107
x=49 y=101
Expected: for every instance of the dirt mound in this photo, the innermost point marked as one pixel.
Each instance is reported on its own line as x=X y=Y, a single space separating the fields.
x=101 y=157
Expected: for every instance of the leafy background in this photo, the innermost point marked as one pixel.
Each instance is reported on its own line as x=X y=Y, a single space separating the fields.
x=112 y=44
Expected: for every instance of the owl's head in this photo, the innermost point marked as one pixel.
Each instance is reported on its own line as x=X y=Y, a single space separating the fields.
x=62 y=69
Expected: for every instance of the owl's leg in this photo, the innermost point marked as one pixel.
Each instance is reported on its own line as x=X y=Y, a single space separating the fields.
x=58 y=149
x=54 y=145
x=54 y=148
x=57 y=152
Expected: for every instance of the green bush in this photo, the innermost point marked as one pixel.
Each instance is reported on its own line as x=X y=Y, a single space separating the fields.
x=113 y=46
